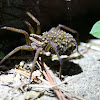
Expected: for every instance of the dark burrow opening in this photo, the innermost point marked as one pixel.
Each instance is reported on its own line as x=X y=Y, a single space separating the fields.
x=69 y=67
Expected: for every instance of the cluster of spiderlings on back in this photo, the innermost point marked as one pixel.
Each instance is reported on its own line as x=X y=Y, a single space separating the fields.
x=64 y=42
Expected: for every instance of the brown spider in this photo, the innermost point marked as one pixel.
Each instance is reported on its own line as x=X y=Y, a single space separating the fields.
x=55 y=40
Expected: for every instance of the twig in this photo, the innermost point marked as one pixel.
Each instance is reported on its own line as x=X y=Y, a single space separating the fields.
x=50 y=81
x=27 y=75
x=48 y=76
x=57 y=90
x=72 y=96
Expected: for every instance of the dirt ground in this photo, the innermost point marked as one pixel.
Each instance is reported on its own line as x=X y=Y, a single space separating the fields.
x=81 y=78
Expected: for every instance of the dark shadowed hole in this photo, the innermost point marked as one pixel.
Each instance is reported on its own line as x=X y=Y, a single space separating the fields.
x=8 y=64
x=15 y=59
x=69 y=67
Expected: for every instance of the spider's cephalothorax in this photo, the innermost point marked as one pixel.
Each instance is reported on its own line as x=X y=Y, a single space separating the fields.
x=64 y=42
x=55 y=40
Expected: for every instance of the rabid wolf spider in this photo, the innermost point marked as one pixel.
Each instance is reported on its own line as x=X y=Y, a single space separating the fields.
x=55 y=40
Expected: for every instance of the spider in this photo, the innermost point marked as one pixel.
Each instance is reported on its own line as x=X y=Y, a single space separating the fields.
x=55 y=40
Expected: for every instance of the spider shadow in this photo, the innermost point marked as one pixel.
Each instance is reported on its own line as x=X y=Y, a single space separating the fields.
x=8 y=64
x=69 y=68
x=15 y=60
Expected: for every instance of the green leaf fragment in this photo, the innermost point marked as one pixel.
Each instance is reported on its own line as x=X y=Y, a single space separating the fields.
x=2 y=54
x=95 y=31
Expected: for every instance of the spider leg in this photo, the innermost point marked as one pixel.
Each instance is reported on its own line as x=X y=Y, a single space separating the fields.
x=28 y=42
x=36 y=36
x=66 y=28
x=32 y=31
x=34 y=61
x=60 y=60
x=35 y=20
x=72 y=31
x=36 y=41
x=29 y=26
x=25 y=47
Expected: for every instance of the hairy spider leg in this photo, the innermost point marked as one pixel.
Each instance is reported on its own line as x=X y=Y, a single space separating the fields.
x=35 y=20
x=66 y=28
x=25 y=47
x=28 y=42
x=31 y=29
x=60 y=60
x=34 y=62
x=36 y=36
x=72 y=31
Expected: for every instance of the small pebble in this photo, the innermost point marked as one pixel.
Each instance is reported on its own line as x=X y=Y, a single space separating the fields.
x=22 y=63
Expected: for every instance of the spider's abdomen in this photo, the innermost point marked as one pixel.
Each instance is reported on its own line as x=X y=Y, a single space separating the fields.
x=64 y=42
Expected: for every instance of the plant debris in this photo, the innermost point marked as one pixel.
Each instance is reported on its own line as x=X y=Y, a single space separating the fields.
x=43 y=81
x=14 y=85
